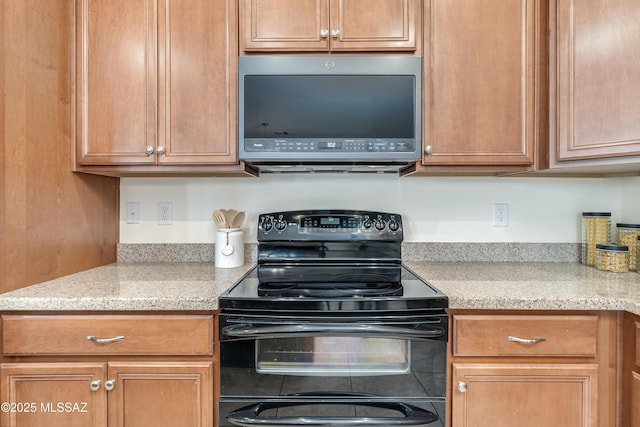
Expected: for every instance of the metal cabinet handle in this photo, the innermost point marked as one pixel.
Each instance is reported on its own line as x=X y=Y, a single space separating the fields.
x=428 y=149
x=94 y=385
x=160 y=150
x=105 y=340
x=526 y=341
x=149 y=150
x=109 y=385
x=324 y=33
x=462 y=387
x=335 y=32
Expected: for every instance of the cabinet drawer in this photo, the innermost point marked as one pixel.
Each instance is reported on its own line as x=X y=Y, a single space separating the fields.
x=113 y=334
x=484 y=335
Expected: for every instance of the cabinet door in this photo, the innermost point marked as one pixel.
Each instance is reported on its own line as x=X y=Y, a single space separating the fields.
x=598 y=78
x=116 y=80
x=480 y=82
x=374 y=25
x=156 y=82
x=284 y=25
x=198 y=81
x=161 y=394
x=53 y=395
x=330 y=25
x=635 y=400
x=507 y=395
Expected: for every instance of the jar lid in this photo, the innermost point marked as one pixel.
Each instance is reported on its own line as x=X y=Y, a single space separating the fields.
x=596 y=213
x=612 y=247
x=620 y=225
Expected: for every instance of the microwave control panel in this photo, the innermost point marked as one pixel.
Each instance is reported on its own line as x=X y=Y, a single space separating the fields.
x=342 y=145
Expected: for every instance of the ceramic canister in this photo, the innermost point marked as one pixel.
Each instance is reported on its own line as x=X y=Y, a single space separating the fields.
x=229 y=248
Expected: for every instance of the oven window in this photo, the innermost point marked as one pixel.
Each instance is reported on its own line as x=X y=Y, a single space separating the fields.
x=339 y=356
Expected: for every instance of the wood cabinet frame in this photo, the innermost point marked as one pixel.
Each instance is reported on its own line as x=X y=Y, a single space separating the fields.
x=186 y=382
x=158 y=75
x=593 y=101
x=599 y=371
x=298 y=26
x=469 y=127
x=630 y=383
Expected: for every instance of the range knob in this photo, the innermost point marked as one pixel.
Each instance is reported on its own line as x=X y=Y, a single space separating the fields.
x=280 y=224
x=394 y=225
x=267 y=224
x=367 y=223
x=379 y=224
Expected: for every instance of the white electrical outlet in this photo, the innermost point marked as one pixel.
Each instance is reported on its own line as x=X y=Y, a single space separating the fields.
x=133 y=212
x=165 y=213
x=500 y=215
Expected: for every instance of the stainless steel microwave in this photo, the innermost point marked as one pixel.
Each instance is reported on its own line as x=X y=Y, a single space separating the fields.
x=330 y=113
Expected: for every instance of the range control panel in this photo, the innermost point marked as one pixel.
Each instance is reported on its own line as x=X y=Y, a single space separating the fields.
x=336 y=225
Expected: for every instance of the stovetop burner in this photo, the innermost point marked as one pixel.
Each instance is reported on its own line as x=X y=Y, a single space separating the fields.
x=411 y=293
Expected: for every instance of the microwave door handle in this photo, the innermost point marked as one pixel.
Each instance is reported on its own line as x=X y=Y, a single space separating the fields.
x=413 y=416
x=306 y=329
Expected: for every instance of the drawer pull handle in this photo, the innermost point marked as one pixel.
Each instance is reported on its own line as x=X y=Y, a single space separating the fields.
x=525 y=341
x=462 y=387
x=109 y=385
x=94 y=385
x=105 y=340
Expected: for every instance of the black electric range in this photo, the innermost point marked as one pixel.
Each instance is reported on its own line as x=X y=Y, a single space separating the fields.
x=330 y=260
x=331 y=329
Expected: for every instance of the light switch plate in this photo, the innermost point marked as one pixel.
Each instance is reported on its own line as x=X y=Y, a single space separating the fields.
x=133 y=212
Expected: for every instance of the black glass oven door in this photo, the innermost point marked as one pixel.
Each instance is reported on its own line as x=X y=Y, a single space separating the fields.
x=333 y=356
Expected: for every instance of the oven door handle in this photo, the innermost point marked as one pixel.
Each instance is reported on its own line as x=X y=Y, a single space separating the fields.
x=247 y=331
x=413 y=416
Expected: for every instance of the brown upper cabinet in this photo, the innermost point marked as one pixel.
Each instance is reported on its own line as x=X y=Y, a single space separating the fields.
x=595 y=76
x=484 y=84
x=330 y=25
x=156 y=82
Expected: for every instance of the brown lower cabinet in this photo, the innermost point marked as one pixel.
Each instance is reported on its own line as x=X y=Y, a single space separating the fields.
x=634 y=399
x=109 y=380
x=108 y=394
x=630 y=416
x=510 y=394
x=506 y=368
x=533 y=369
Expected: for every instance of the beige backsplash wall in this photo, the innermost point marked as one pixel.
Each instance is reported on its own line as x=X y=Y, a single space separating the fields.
x=631 y=199
x=435 y=209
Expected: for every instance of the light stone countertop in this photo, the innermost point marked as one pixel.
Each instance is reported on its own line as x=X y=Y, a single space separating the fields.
x=125 y=287
x=469 y=285
x=531 y=286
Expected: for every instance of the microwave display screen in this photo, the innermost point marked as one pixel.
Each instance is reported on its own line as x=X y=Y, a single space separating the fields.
x=335 y=106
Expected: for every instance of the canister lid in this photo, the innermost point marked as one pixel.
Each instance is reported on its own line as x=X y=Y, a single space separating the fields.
x=620 y=225
x=612 y=247
x=596 y=213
